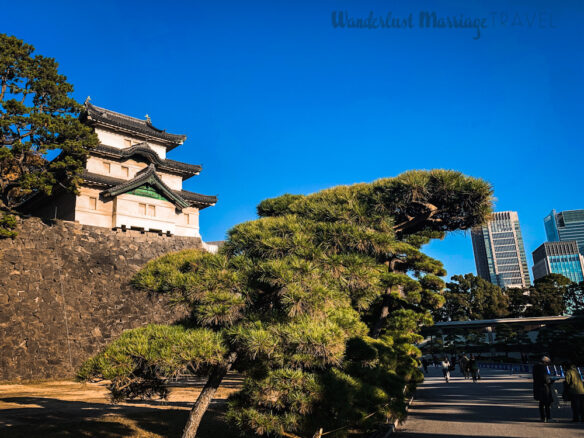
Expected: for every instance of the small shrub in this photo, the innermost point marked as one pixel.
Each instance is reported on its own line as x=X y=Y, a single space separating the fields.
x=7 y=225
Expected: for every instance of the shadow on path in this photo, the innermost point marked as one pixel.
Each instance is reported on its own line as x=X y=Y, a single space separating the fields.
x=49 y=417
x=499 y=405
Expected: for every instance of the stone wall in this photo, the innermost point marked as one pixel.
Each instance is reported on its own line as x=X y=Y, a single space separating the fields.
x=65 y=293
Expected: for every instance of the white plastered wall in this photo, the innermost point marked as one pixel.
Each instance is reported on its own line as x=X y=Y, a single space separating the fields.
x=115 y=169
x=96 y=212
x=118 y=140
x=132 y=211
x=172 y=181
x=188 y=223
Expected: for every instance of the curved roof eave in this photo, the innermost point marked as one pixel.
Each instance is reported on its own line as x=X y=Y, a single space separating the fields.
x=145 y=151
x=148 y=176
x=112 y=119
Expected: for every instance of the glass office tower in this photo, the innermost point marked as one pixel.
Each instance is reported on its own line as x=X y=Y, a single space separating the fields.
x=565 y=226
x=499 y=252
x=559 y=258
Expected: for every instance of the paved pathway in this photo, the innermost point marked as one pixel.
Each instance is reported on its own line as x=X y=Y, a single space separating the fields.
x=499 y=405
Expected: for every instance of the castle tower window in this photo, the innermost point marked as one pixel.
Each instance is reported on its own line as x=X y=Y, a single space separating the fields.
x=107 y=167
x=151 y=210
x=125 y=171
x=188 y=218
x=142 y=208
x=92 y=203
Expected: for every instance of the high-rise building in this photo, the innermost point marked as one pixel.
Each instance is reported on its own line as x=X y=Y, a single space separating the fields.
x=559 y=258
x=499 y=252
x=564 y=226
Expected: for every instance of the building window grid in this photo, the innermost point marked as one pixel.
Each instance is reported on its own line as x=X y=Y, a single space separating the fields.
x=506 y=259
x=147 y=209
x=502 y=236
x=506 y=248
x=569 y=270
x=501 y=242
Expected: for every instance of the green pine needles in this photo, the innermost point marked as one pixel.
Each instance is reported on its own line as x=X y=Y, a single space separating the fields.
x=319 y=303
x=140 y=361
x=8 y=224
x=37 y=115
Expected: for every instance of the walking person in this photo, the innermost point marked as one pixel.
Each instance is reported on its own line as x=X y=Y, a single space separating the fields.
x=425 y=365
x=446 y=369
x=542 y=388
x=473 y=366
x=463 y=364
x=575 y=391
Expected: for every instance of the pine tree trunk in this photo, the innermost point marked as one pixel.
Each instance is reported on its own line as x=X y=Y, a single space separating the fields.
x=206 y=395
x=392 y=266
x=382 y=317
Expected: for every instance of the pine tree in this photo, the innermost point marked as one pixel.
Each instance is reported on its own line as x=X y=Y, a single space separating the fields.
x=319 y=302
x=37 y=115
x=470 y=297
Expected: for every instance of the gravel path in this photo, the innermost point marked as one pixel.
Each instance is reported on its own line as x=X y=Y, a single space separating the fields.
x=499 y=405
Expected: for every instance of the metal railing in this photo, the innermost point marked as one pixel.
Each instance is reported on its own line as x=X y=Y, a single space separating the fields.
x=553 y=370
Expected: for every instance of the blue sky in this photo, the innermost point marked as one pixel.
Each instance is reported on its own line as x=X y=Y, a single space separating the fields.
x=275 y=100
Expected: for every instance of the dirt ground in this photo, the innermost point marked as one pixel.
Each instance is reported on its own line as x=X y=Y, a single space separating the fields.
x=69 y=409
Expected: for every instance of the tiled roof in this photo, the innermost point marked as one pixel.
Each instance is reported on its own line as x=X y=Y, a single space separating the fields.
x=147 y=176
x=110 y=183
x=102 y=116
x=144 y=150
x=195 y=197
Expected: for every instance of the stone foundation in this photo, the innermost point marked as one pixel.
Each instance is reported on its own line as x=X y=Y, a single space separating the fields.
x=65 y=293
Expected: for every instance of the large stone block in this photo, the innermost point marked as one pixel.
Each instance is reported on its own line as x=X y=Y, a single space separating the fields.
x=65 y=292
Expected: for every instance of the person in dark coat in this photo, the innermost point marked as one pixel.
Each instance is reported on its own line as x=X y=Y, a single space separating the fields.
x=425 y=365
x=575 y=391
x=542 y=388
x=463 y=363
x=473 y=366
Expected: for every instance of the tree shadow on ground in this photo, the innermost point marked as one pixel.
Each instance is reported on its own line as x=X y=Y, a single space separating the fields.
x=230 y=381
x=442 y=435
x=483 y=401
x=498 y=399
x=48 y=417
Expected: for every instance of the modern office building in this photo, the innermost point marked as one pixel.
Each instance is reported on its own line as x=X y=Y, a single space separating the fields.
x=499 y=252
x=565 y=226
x=559 y=258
